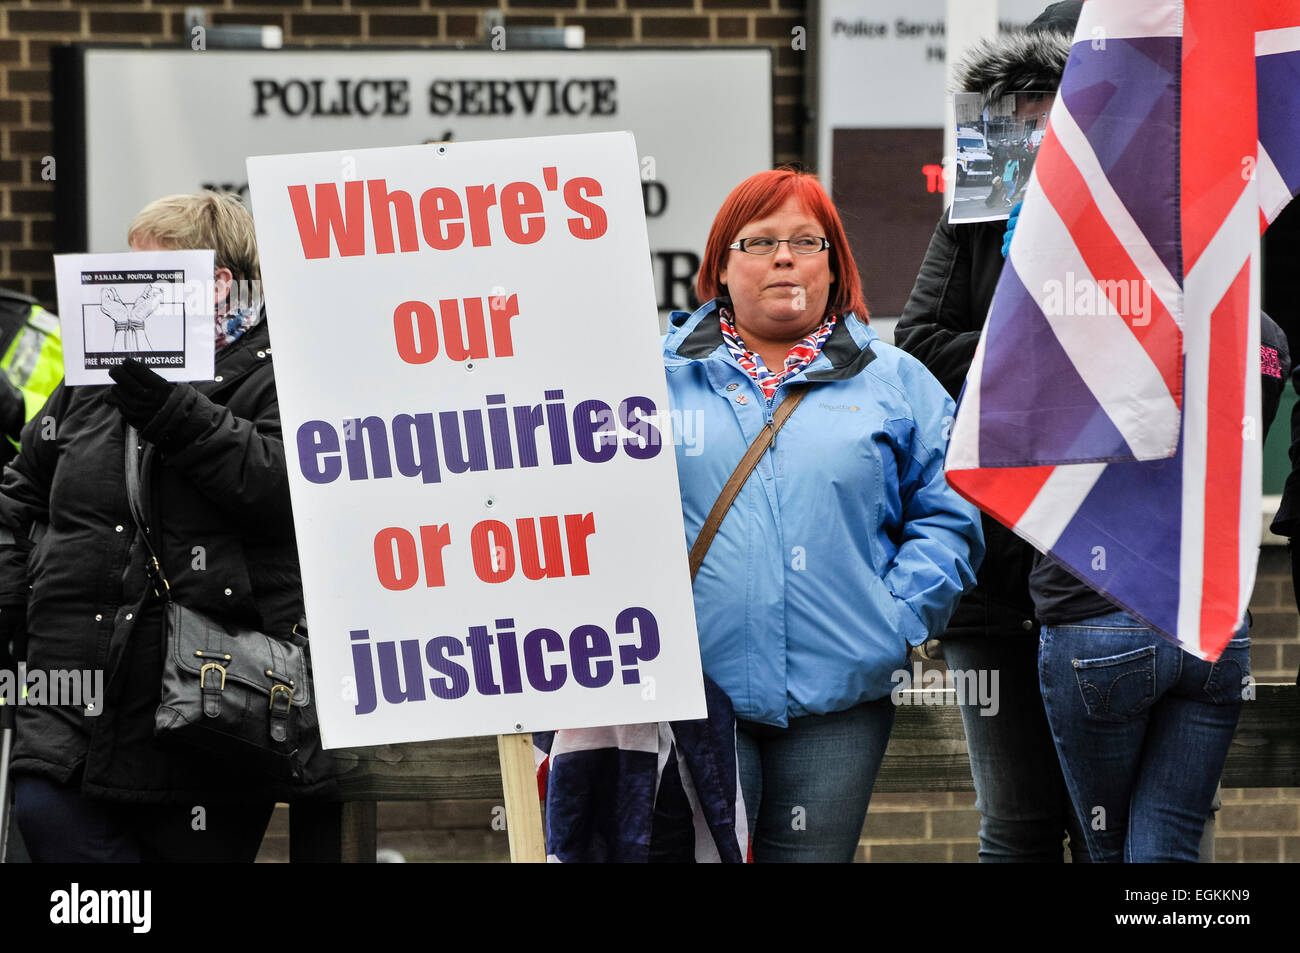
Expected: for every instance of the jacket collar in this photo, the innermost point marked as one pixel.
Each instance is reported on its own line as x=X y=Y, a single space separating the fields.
x=701 y=333
x=239 y=358
x=847 y=357
x=847 y=350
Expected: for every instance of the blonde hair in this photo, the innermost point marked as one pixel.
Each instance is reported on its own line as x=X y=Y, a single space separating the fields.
x=216 y=220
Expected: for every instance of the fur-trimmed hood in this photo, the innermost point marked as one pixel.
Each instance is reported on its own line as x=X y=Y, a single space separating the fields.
x=1017 y=61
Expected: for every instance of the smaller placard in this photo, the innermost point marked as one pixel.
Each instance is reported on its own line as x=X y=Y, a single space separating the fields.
x=996 y=148
x=156 y=307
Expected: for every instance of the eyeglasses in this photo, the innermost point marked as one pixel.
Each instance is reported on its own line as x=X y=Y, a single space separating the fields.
x=803 y=244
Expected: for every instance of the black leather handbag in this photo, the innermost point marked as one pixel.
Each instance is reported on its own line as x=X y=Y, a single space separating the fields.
x=233 y=692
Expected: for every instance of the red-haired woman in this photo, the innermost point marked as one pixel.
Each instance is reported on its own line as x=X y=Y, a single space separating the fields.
x=845 y=546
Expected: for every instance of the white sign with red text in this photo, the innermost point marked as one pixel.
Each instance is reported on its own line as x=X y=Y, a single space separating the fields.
x=478 y=441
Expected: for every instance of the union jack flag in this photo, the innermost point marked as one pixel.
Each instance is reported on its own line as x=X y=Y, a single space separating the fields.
x=1111 y=413
x=603 y=789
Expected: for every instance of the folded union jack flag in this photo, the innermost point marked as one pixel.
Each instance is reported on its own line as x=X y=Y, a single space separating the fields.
x=1111 y=413
x=633 y=793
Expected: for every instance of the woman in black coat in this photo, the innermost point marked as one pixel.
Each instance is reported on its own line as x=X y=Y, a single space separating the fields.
x=91 y=782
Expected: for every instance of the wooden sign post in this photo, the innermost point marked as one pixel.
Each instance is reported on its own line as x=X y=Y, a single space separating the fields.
x=523 y=813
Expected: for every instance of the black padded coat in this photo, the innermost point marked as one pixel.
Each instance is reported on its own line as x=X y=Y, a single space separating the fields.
x=940 y=326
x=216 y=493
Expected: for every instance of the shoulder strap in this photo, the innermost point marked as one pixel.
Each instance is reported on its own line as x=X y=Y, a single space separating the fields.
x=133 y=496
x=131 y=467
x=744 y=468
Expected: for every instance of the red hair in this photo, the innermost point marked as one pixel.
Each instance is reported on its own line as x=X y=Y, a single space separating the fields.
x=759 y=196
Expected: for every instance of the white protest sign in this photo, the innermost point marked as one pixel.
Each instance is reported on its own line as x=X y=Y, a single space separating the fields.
x=475 y=421
x=156 y=307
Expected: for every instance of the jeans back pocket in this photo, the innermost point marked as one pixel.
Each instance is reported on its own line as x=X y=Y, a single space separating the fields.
x=1229 y=677
x=1117 y=687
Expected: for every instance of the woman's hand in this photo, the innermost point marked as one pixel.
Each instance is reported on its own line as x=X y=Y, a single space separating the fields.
x=140 y=393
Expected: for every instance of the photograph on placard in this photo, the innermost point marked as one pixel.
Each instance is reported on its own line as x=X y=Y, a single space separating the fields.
x=996 y=148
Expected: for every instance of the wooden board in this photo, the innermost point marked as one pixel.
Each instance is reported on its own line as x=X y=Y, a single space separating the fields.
x=927 y=752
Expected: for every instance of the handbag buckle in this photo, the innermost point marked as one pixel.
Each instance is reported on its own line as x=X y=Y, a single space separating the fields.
x=288 y=693
x=203 y=676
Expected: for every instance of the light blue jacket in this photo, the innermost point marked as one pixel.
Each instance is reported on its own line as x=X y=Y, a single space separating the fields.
x=845 y=545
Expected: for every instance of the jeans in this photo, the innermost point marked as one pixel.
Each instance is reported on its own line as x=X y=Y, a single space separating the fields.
x=807 y=786
x=61 y=825
x=1024 y=807
x=1143 y=730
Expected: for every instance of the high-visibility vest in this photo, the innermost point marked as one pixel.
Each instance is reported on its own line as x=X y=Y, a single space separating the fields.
x=32 y=349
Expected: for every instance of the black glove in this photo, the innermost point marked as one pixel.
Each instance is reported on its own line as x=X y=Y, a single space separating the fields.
x=139 y=394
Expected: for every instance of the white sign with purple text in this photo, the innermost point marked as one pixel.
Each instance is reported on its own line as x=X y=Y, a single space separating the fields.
x=478 y=439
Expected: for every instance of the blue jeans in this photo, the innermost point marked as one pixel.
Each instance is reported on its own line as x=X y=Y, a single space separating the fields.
x=807 y=786
x=1142 y=729
x=1024 y=807
x=61 y=825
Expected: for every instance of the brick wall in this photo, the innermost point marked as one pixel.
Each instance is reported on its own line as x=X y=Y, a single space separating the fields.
x=28 y=28
x=1263 y=824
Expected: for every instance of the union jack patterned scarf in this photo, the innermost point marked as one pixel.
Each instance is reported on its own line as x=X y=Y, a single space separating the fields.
x=800 y=356
x=231 y=325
